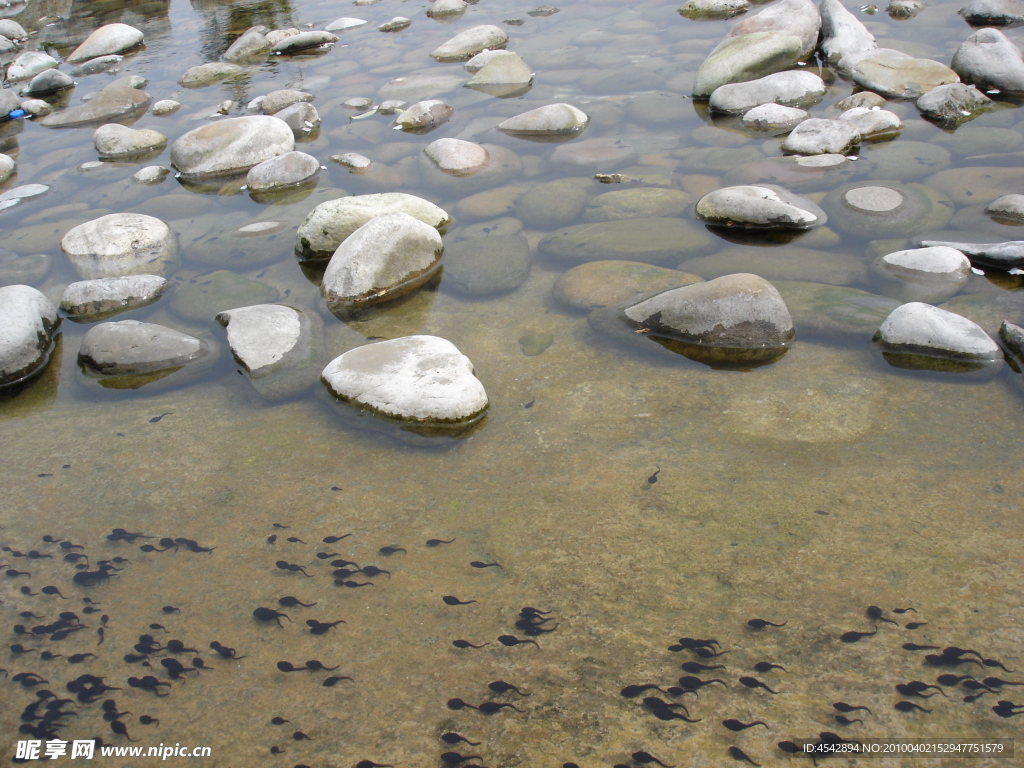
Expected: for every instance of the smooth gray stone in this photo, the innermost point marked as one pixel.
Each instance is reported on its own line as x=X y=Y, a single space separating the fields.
x=842 y=33
x=920 y=336
x=552 y=204
x=895 y=74
x=129 y=347
x=470 y=42
x=50 y=81
x=747 y=57
x=302 y=118
x=949 y=103
x=231 y=146
x=117 y=142
x=1007 y=207
x=876 y=210
x=773 y=118
x=713 y=9
x=27 y=324
x=904 y=9
x=211 y=73
x=930 y=275
x=304 y=41
x=793 y=88
x=993 y=13
x=23 y=270
x=202 y=297
x=822 y=136
x=112 y=103
x=481 y=266
x=8 y=101
x=94 y=66
x=94 y=299
x=29 y=64
x=275 y=101
x=287 y=170
x=1012 y=337
x=763 y=206
x=549 y=120
x=833 y=309
x=990 y=60
x=108 y=39
x=795 y=17
x=424 y=116
x=119 y=244
x=999 y=255
x=873 y=124
x=250 y=45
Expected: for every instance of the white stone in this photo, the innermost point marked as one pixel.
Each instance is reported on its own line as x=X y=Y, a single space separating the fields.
x=773 y=117
x=842 y=33
x=921 y=326
x=1007 y=207
x=423 y=378
x=457 y=157
x=873 y=123
x=424 y=115
x=151 y=174
x=343 y=23
x=760 y=206
x=261 y=335
x=503 y=70
x=795 y=17
x=275 y=101
x=27 y=322
x=873 y=199
x=285 y=170
x=470 y=42
x=231 y=146
x=791 y=88
x=549 y=120
x=395 y=25
x=302 y=118
x=305 y=41
x=930 y=275
x=165 y=107
x=12 y=30
x=119 y=244
x=477 y=63
x=130 y=347
x=29 y=64
x=108 y=39
x=110 y=294
x=441 y=8
x=989 y=59
x=7 y=167
x=115 y=142
x=817 y=136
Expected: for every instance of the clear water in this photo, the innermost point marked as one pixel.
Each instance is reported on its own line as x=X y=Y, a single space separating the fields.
x=803 y=491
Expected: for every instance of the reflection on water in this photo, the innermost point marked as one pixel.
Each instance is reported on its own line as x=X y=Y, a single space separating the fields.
x=640 y=497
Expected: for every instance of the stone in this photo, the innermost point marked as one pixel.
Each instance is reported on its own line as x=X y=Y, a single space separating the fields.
x=504 y=72
x=251 y=45
x=440 y=9
x=15 y=195
x=552 y=204
x=833 y=310
x=344 y=23
x=904 y=9
x=394 y=25
x=1007 y=207
x=794 y=88
x=329 y=223
x=90 y=300
x=277 y=347
x=12 y=30
x=108 y=39
x=7 y=167
x=116 y=142
x=971 y=185
x=422 y=384
x=746 y=57
x=818 y=136
x=993 y=13
x=759 y=207
x=483 y=58
x=873 y=124
x=636 y=203
x=1012 y=337
x=550 y=120
x=713 y=9
x=287 y=170
x=355 y=162
x=795 y=17
x=165 y=107
x=886 y=209
x=275 y=101
x=27 y=324
x=304 y=41
x=949 y=103
x=842 y=33
x=470 y=42
x=48 y=82
x=773 y=118
x=931 y=275
x=1005 y=256
x=420 y=86
x=23 y=270
x=904 y=160
x=990 y=60
x=592 y=155
x=896 y=74
x=598 y=284
x=988 y=309
x=783 y=262
x=975 y=140
x=663 y=241
x=922 y=337
x=812 y=173
x=97 y=65
x=483 y=266
x=112 y=103
x=736 y=320
x=457 y=157
x=151 y=174
x=231 y=146
x=119 y=244
x=866 y=99
x=128 y=347
x=211 y=73
x=387 y=257
x=425 y=116
x=29 y=64
x=204 y=296
x=302 y=118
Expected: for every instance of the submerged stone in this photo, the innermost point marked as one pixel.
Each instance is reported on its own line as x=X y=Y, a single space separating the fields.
x=664 y=241
x=832 y=310
x=482 y=266
x=783 y=262
x=202 y=297
x=598 y=284
x=112 y=103
x=637 y=203
x=929 y=275
x=885 y=209
x=552 y=204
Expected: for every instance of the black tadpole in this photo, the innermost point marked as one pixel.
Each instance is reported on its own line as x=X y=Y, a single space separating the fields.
x=389 y=551
x=330 y=682
x=767 y=666
x=284 y=565
x=294 y=540
x=335 y=539
x=279 y=720
x=691 y=683
x=903 y=610
x=941 y=660
x=736 y=726
x=147 y=720
x=290 y=602
x=916 y=647
x=480 y=564
x=761 y=624
x=155 y=419
x=169 y=609
x=176 y=646
x=915 y=624
x=372 y=570
x=853 y=637
x=908 y=706
x=692 y=643
x=438 y=542
x=646 y=757
x=632 y=691
x=1008 y=709
x=466 y=644
x=287 y=666
x=452 y=600
x=500 y=686
x=843 y=720
x=665 y=711
x=753 y=682
x=917 y=688
x=876 y=614
x=78 y=658
x=994 y=663
x=457 y=704
x=300 y=736
x=454 y=738
x=53 y=591
x=371 y=764
x=995 y=682
x=322 y=627
x=494 y=707
x=269 y=614
x=842 y=706
x=120 y=728
x=695 y=667
x=454 y=758
x=352 y=584
x=738 y=754
x=318 y=666
x=226 y=653
x=511 y=641
x=789 y=747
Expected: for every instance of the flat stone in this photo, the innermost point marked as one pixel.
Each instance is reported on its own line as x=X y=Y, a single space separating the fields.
x=107 y=40
x=791 y=88
x=304 y=41
x=27 y=324
x=931 y=275
x=23 y=270
x=424 y=116
x=94 y=299
x=327 y=225
x=832 y=310
x=116 y=142
x=420 y=86
x=29 y=64
x=759 y=207
x=971 y=185
x=355 y=162
x=821 y=136
x=988 y=309
x=780 y=263
x=920 y=336
x=903 y=160
x=385 y=258
x=713 y=9
x=1007 y=255
x=211 y=73
x=746 y=57
x=275 y=101
x=287 y=170
x=129 y=347
x=276 y=346
x=638 y=202
x=396 y=24
x=483 y=266
x=552 y=204
x=470 y=42
x=48 y=82
x=663 y=241
x=550 y=120
x=112 y=103
x=598 y=284
x=421 y=382
x=119 y=244
x=483 y=58
x=508 y=71
x=886 y=209
x=594 y=154
x=457 y=157
x=97 y=65
x=993 y=13
x=896 y=74
x=204 y=296
x=344 y=23
x=873 y=124
x=811 y=173
x=773 y=118
x=231 y=146
x=302 y=118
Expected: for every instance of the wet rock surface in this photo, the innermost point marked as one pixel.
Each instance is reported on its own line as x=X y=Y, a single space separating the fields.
x=231 y=146
x=89 y=300
x=119 y=244
x=27 y=324
x=482 y=266
x=923 y=337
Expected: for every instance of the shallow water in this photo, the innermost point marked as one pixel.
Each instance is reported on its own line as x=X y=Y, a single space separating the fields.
x=803 y=491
